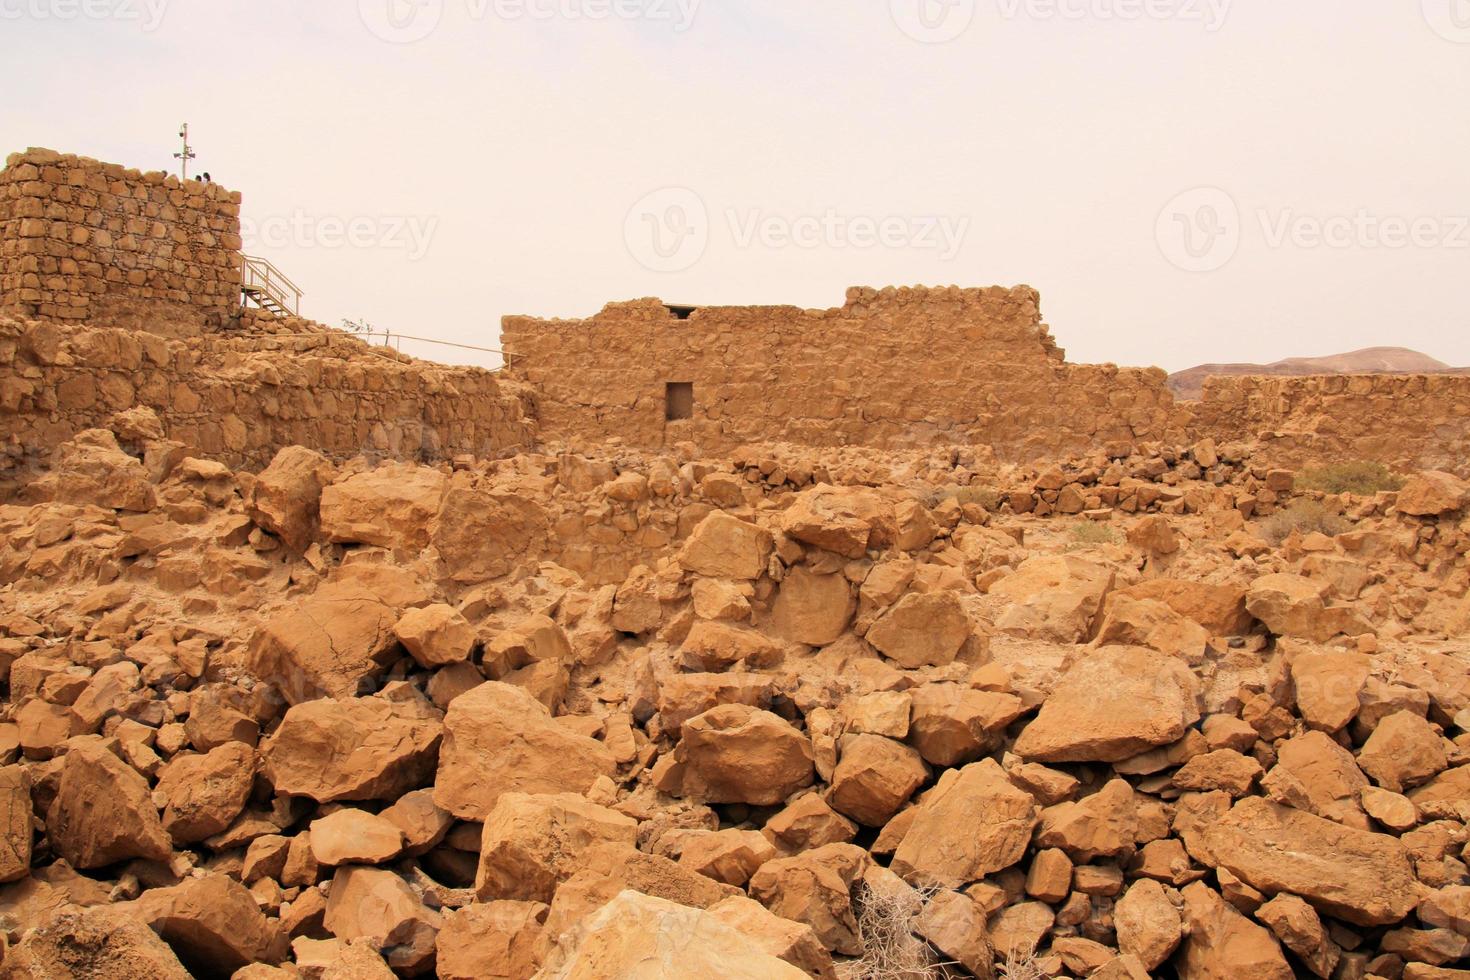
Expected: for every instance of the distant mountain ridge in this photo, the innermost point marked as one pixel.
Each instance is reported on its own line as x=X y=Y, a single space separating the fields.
x=1189 y=383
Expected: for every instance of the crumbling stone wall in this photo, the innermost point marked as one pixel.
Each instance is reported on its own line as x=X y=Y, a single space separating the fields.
x=83 y=241
x=894 y=368
x=240 y=398
x=1411 y=421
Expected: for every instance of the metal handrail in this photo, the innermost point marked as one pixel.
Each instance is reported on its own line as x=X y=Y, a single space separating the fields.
x=389 y=335
x=256 y=271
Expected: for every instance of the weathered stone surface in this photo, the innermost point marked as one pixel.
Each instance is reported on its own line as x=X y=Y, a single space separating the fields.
x=531 y=843
x=435 y=635
x=815 y=887
x=737 y=754
x=811 y=608
x=1291 y=605
x=844 y=520
x=1432 y=493
x=337 y=641
x=1112 y=704
x=1297 y=926
x=1328 y=685
x=1148 y=924
x=98 y=942
x=1315 y=774
x=103 y=812
x=1361 y=877
x=875 y=776
x=286 y=496
x=636 y=935
x=1403 y=752
x=1225 y=945
x=351 y=836
x=391 y=506
x=380 y=906
x=922 y=629
x=1104 y=824
x=952 y=724
x=212 y=923
x=972 y=824
x=353 y=749
x=723 y=546
x=205 y=793
x=727 y=856
x=16 y=831
x=1053 y=598
x=490 y=941
x=498 y=739
x=794 y=942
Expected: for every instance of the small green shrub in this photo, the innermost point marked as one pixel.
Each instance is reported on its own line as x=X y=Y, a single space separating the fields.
x=1359 y=476
x=1091 y=532
x=1305 y=516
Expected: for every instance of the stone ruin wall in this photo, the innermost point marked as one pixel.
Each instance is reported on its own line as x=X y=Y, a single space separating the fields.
x=896 y=368
x=240 y=398
x=97 y=243
x=1409 y=421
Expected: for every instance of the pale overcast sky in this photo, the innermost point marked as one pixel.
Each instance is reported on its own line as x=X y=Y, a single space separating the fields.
x=1183 y=180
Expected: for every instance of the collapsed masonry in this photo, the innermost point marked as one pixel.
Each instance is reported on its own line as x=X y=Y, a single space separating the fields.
x=990 y=665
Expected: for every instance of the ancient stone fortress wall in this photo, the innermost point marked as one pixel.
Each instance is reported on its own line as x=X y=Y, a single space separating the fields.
x=83 y=241
x=891 y=368
x=241 y=397
x=1411 y=421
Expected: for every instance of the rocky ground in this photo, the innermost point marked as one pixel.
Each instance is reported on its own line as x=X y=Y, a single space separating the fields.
x=793 y=713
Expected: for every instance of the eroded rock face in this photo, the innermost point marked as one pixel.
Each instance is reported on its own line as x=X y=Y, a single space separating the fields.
x=103 y=811
x=636 y=933
x=1432 y=493
x=922 y=629
x=391 y=506
x=96 y=942
x=338 y=641
x=723 y=546
x=286 y=497
x=532 y=843
x=1053 y=598
x=498 y=739
x=974 y=823
x=1361 y=877
x=738 y=754
x=1113 y=703
x=353 y=749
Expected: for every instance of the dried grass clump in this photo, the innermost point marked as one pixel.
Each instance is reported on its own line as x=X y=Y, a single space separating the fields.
x=1359 y=476
x=887 y=920
x=1020 y=965
x=1305 y=516
x=1091 y=533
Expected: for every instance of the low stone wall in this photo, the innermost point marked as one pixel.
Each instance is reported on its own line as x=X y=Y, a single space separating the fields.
x=1410 y=421
x=896 y=368
x=84 y=241
x=240 y=398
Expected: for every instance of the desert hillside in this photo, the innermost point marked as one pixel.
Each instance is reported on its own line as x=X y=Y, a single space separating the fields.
x=1189 y=383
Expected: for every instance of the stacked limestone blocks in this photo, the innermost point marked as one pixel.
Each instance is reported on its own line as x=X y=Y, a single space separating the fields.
x=346 y=720
x=96 y=242
x=890 y=368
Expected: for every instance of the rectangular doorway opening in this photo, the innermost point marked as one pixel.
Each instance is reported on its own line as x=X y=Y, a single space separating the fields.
x=678 y=400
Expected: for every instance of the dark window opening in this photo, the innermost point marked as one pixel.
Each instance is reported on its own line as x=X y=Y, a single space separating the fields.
x=678 y=400
x=681 y=312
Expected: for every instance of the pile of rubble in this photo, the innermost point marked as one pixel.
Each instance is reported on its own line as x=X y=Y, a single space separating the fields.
x=839 y=714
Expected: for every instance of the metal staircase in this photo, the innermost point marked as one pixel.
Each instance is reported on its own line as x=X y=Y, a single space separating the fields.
x=268 y=288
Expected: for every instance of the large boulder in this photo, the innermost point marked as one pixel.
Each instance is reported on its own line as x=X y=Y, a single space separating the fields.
x=532 y=843
x=16 y=829
x=1218 y=607
x=378 y=905
x=391 y=506
x=738 y=754
x=81 y=944
x=875 y=776
x=1361 y=877
x=637 y=935
x=816 y=887
x=844 y=520
x=286 y=497
x=103 y=811
x=811 y=608
x=485 y=533
x=1112 y=704
x=213 y=924
x=722 y=546
x=1295 y=606
x=974 y=823
x=922 y=629
x=1052 y=597
x=354 y=749
x=1223 y=944
x=499 y=739
x=205 y=793
x=337 y=641
x=1432 y=493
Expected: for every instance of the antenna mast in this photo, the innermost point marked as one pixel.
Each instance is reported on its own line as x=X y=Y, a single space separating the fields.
x=186 y=155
